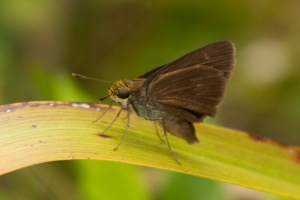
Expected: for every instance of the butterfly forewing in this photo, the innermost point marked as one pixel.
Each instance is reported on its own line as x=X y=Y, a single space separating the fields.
x=198 y=89
x=220 y=55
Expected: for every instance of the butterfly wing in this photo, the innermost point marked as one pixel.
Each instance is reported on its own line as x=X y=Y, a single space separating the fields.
x=193 y=85
x=189 y=89
x=197 y=89
x=220 y=55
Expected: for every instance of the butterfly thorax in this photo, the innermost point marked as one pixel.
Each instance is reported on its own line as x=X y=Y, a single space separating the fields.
x=132 y=97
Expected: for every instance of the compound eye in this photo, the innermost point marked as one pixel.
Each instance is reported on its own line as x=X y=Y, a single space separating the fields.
x=123 y=93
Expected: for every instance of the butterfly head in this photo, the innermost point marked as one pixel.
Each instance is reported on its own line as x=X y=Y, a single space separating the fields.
x=119 y=91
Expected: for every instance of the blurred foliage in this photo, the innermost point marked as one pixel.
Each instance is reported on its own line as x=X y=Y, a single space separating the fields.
x=43 y=42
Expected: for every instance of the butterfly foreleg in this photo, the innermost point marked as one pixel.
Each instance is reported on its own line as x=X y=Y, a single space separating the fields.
x=127 y=126
x=109 y=107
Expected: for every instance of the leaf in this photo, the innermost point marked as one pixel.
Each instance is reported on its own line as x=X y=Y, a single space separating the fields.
x=38 y=132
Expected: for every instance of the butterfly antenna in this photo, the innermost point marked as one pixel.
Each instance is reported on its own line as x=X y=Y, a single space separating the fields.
x=103 y=98
x=86 y=77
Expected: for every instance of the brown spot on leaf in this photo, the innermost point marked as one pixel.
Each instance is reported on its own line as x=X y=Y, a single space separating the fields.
x=261 y=139
x=24 y=104
x=34 y=105
x=33 y=126
x=297 y=157
x=104 y=135
x=258 y=138
x=9 y=108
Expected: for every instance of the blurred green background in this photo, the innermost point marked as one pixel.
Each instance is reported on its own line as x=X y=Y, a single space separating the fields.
x=43 y=42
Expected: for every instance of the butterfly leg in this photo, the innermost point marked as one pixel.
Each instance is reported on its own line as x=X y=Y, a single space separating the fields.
x=127 y=126
x=113 y=120
x=109 y=107
x=169 y=146
x=157 y=132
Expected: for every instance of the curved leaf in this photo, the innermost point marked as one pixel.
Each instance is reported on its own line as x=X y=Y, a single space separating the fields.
x=37 y=132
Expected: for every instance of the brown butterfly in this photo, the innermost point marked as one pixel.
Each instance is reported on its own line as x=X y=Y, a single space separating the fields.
x=180 y=93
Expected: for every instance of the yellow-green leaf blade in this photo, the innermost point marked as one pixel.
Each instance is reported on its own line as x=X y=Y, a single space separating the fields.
x=37 y=132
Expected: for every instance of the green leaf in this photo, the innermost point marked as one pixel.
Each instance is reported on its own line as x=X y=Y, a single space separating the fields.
x=38 y=132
